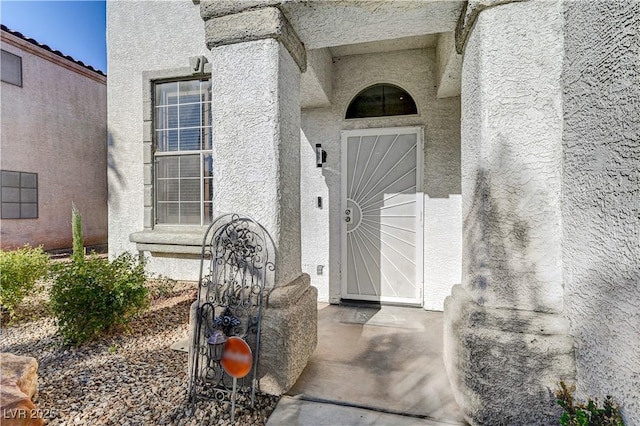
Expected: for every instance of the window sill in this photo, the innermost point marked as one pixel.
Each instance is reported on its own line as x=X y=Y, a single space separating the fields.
x=176 y=240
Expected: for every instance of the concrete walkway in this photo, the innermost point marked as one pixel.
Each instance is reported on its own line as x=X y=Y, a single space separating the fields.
x=373 y=365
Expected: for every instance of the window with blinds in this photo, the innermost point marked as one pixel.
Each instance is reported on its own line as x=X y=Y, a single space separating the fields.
x=183 y=162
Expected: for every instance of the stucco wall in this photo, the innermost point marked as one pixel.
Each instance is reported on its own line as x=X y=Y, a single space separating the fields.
x=142 y=36
x=512 y=157
x=413 y=70
x=601 y=197
x=256 y=93
x=55 y=126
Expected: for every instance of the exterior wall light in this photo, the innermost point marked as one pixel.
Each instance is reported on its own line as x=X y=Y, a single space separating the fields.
x=321 y=155
x=216 y=345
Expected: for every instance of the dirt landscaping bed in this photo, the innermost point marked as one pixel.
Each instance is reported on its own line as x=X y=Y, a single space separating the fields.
x=132 y=378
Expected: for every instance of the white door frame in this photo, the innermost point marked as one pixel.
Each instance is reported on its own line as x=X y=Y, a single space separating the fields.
x=419 y=279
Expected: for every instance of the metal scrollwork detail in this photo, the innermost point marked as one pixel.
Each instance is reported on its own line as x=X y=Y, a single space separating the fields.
x=237 y=268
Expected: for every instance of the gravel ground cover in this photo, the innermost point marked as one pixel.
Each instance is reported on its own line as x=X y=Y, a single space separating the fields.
x=132 y=378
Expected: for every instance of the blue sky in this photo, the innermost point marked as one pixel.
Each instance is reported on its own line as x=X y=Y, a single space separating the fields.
x=76 y=28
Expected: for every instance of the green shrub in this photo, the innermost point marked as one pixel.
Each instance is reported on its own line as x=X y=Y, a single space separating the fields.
x=589 y=414
x=92 y=296
x=19 y=271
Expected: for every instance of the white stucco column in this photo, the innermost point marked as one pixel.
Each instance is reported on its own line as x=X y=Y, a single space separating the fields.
x=257 y=60
x=506 y=341
x=512 y=158
x=256 y=150
x=256 y=121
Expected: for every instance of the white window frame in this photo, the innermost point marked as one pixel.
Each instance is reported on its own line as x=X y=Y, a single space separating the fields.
x=176 y=240
x=201 y=153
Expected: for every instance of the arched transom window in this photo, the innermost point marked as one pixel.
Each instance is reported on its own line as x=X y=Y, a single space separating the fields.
x=381 y=100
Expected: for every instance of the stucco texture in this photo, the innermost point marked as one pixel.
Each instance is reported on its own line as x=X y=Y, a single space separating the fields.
x=507 y=344
x=334 y=23
x=142 y=36
x=55 y=126
x=512 y=157
x=414 y=71
x=256 y=92
x=601 y=198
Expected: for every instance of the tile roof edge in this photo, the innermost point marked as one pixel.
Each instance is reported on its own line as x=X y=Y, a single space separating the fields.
x=47 y=48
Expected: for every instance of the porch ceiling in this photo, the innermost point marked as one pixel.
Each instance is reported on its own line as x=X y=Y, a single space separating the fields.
x=321 y=23
x=352 y=27
x=414 y=42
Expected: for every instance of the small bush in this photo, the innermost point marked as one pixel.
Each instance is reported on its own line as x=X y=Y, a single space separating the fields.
x=589 y=414
x=92 y=296
x=19 y=271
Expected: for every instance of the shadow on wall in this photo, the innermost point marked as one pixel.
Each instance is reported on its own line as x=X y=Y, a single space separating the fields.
x=486 y=254
x=602 y=277
x=498 y=238
x=604 y=306
x=601 y=197
x=511 y=360
x=442 y=165
x=115 y=179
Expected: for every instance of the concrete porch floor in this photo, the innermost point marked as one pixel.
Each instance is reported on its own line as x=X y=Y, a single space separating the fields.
x=373 y=365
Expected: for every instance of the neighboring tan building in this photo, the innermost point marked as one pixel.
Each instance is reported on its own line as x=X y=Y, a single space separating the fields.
x=479 y=157
x=53 y=146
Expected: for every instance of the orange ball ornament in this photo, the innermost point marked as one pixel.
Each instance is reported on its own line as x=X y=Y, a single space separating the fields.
x=237 y=358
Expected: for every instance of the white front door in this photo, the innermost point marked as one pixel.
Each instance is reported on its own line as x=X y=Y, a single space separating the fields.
x=382 y=215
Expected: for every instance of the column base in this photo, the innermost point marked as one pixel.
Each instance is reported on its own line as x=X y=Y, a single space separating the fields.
x=505 y=364
x=289 y=335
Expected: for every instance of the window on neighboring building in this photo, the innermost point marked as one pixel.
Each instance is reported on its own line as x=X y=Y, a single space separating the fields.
x=19 y=195
x=11 y=68
x=381 y=100
x=183 y=163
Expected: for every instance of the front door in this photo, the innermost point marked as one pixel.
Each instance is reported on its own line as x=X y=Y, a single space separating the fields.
x=382 y=215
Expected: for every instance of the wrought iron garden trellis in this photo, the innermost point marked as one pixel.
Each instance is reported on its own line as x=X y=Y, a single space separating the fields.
x=236 y=268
